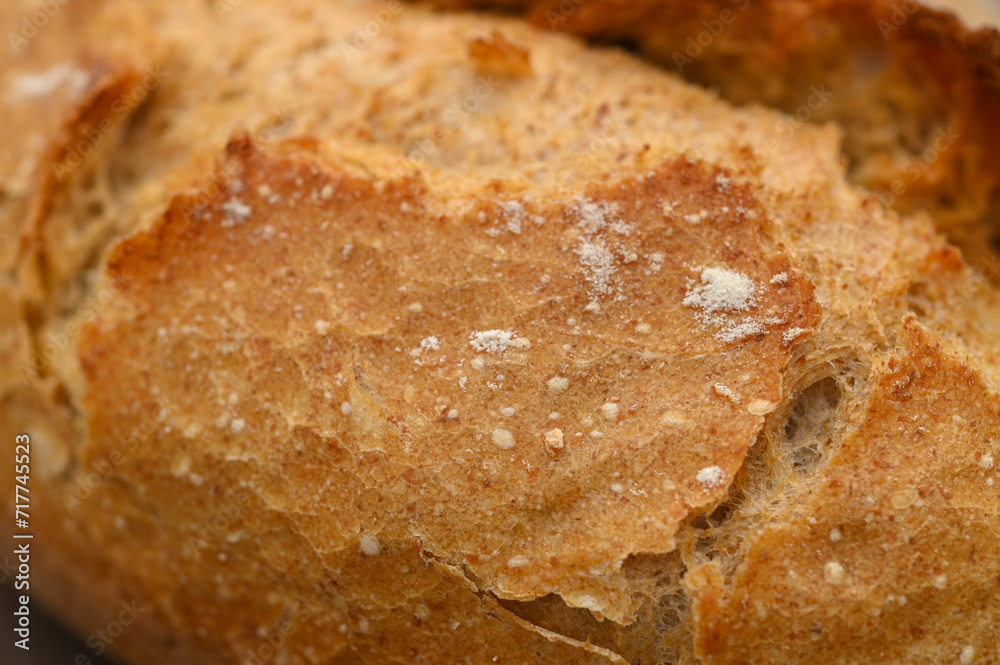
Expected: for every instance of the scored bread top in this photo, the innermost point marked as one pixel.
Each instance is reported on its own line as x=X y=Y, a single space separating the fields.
x=532 y=391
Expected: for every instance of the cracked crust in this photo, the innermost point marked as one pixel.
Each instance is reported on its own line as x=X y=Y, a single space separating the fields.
x=915 y=91
x=389 y=379
x=342 y=363
x=897 y=527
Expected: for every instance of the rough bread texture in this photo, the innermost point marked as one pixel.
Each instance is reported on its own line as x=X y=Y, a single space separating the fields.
x=469 y=342
x=916 y=93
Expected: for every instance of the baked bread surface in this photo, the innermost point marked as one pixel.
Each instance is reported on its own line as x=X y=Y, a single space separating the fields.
x=474 y=343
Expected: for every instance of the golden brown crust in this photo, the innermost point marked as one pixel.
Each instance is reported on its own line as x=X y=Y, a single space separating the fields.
x=287 y=425
x=916 y=92
x=888 y=554
x=401 y=381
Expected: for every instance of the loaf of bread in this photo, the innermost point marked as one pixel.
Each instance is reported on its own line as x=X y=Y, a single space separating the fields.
x=374 y=332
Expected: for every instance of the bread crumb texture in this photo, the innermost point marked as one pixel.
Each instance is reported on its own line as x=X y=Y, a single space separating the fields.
x=439 y=337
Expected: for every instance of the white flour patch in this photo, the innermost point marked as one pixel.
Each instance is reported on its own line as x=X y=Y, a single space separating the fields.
x=603 y=231
x=514 y=216
x=713 y=476
x=599 y=263
x=719 y=293
x=431 y=343
x=512 y=219
x=494 y=341
x=722 y=290
x=236 y=211
x=600 y=216
x=742 y=330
